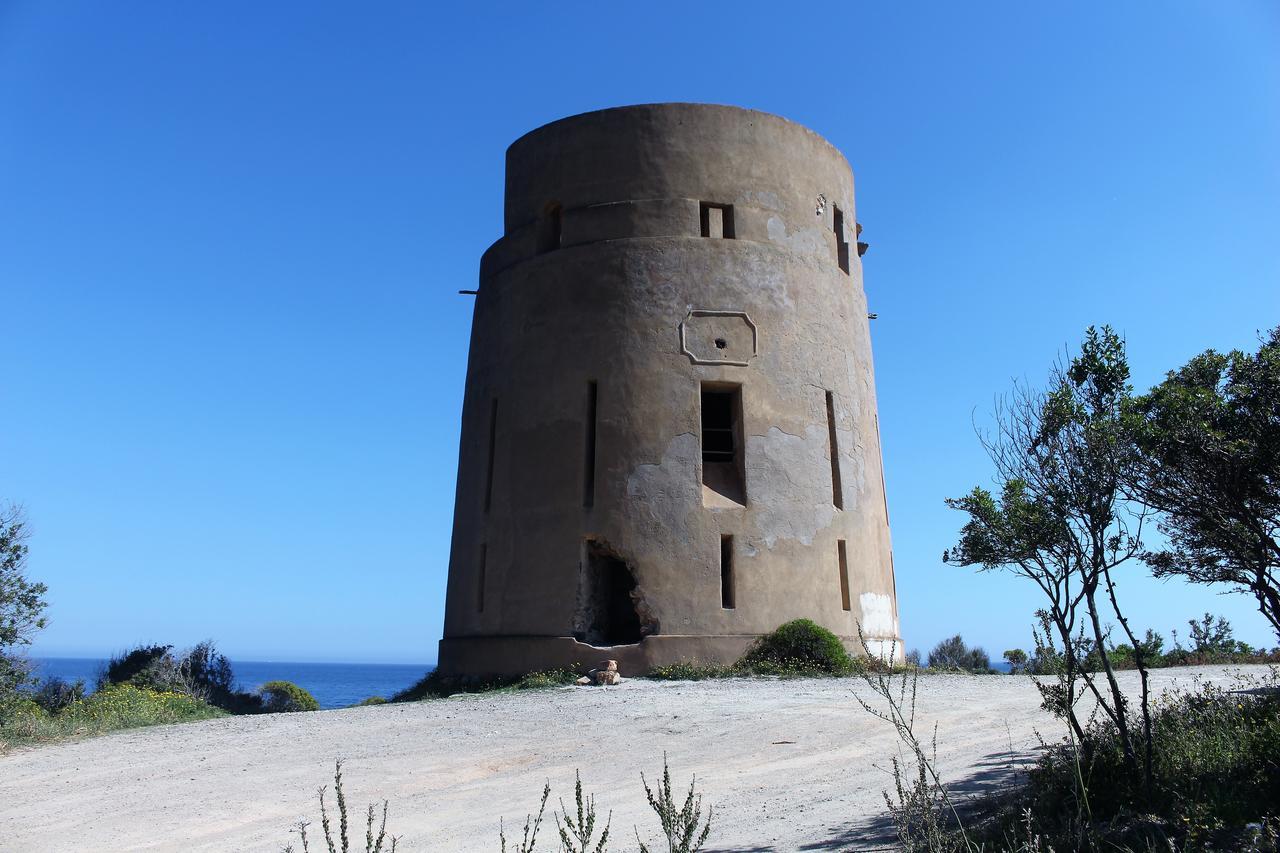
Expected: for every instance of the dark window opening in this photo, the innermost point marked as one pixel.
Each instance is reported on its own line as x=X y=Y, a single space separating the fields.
x=844 y=574
x=726 y=573
x=484 y=554
x=721 y=343
x=837 y=492
x=589 y=460
x=493 y=444
x=718 y=416
x=723 y=471
x=842 y=245
x=716 y=220
x=549 y=229
x=608 y=616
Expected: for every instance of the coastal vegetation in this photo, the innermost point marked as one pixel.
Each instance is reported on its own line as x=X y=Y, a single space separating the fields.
x=115 y=707
x=1083 y=468
x=147 y=685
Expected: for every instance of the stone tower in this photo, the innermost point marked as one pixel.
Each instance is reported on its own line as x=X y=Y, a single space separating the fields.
x=669 y=435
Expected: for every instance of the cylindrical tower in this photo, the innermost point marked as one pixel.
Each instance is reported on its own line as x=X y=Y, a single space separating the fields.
x=669 y=435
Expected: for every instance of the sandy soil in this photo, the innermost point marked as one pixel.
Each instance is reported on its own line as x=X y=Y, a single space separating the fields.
x=787 y=765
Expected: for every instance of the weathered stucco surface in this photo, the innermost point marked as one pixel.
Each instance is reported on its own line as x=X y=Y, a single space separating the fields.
x=603 y=280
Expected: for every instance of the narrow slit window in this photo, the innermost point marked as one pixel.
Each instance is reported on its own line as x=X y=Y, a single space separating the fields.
x=842 y=245
x=844 y=574
x=726 y=573
x=837 y=491
x=549 y=227
x=723 y=471
x=484 y=555
x=589 y=450
x=493 y=444
x=716 y=220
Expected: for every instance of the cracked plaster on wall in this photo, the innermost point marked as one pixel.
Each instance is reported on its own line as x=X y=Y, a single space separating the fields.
x=671 y=483
x=779 y=465
x=806 y=241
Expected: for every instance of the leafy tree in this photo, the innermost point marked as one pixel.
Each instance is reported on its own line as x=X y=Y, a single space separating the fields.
x=21 y=602
x=1017 y=660
x=1212 y=637
x=208 y=673
x=1151 y=647
x=1061 y=520
x=1210 y=464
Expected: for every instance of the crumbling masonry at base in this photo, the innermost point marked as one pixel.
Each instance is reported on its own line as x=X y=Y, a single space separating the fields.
x=669 y=434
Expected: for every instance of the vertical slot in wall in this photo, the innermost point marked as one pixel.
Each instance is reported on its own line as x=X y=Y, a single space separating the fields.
x=493 y=444
x=842 y=245
x=727 y=597
x=589 y=450
x=549 y=228
x=837 y=490
x=844 y=574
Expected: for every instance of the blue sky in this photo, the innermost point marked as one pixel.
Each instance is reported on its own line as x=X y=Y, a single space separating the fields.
x=231 y=238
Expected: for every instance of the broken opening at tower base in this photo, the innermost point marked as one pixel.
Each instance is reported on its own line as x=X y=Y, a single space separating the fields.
x=608 y=613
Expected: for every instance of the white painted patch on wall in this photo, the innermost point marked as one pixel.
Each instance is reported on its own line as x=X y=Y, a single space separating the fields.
x=877 y=615
x=886 y=650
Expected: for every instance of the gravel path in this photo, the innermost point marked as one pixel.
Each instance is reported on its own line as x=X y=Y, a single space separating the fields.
x=788 y=765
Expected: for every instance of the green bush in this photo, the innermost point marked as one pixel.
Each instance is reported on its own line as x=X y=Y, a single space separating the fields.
x=799 y=647
x=953 y=654
x=148 y=667
x=282 y=697
x=372 y=700
x=118 y=706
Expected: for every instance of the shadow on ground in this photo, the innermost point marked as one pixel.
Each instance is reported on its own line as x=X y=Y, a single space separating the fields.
x=994 y=773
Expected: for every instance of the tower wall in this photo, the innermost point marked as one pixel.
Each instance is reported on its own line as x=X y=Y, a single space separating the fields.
x=603 y=314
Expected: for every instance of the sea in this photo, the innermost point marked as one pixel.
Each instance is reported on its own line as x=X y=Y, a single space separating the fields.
x=335 y=685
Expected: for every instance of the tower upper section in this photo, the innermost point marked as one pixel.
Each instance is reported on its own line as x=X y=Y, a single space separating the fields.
x=665 y=170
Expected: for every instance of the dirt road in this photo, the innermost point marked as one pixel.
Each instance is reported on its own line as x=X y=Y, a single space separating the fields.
x=787 y=765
